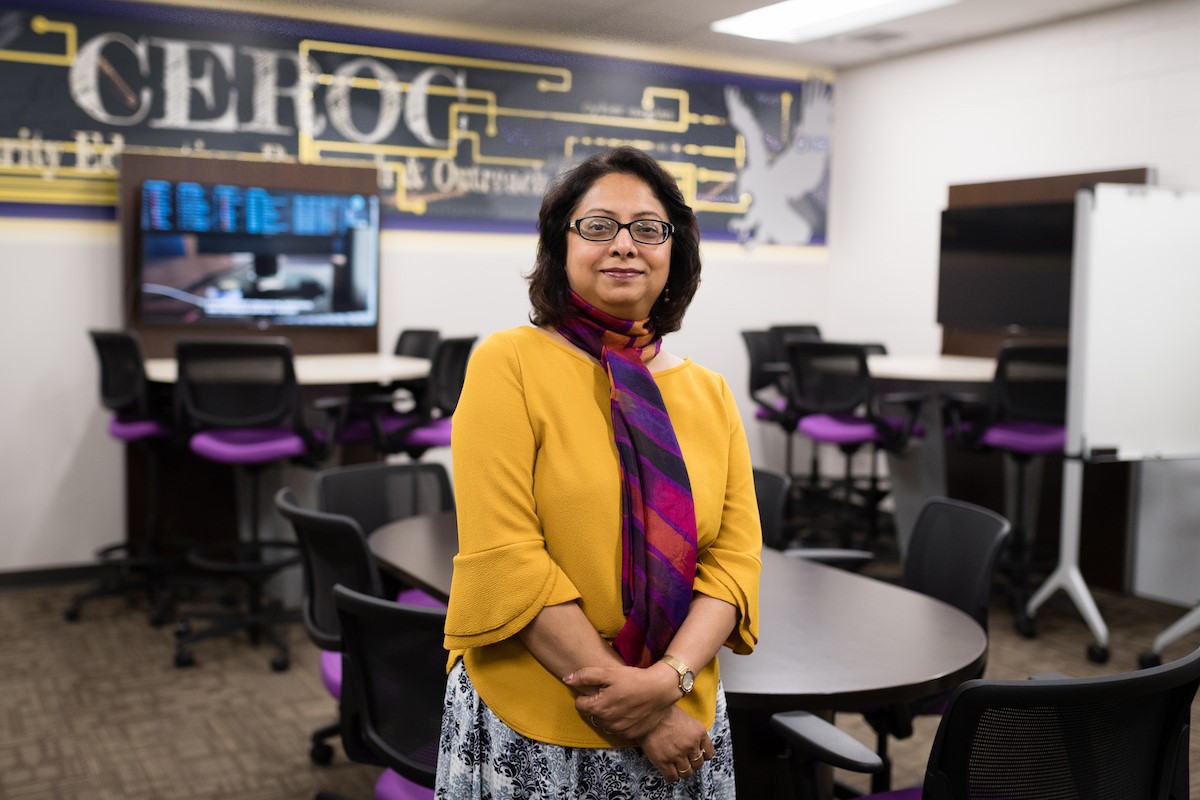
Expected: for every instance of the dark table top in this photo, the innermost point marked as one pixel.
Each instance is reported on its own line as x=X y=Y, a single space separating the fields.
x=829 y=640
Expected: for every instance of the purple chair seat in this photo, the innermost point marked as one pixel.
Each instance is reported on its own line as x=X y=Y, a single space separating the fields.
x=362 y=431
x=846 y=429
x=433 y=434
x=135 y=430
x=1029 y=438
x=394 y=786
x=911 y=793
x=248 y=445
x=331 y=672
x=777 y=409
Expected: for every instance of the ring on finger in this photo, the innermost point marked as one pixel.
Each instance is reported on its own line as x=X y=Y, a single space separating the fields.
x=698 y=758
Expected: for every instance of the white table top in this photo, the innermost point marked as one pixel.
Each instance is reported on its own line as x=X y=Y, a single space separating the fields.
x=937 y=368
x=327 y=369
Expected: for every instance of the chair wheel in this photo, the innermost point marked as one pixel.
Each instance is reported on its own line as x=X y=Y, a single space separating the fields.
x=1025 y=626
x=184 y=658
x=320 y=753
x=280 y=663
x=1097 y=654
x=71 y=614
x=1149 y=659
x=182 y=629
x=159 y=617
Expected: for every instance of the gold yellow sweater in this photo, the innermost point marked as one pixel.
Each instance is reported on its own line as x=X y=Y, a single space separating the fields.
x=537 y=488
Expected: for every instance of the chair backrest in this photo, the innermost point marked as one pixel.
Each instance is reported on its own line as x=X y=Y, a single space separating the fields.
x=1030 y=382
x=417 y=342
x=782 y=334
x=447 y=373
x=334 y=551
x=122 y=373
x=952 y=554
x=760 y=348
x=772 y=488
x=393 y=682
x=377 y=493
x=1114 y=737
x=236 y=383
x=828 y=377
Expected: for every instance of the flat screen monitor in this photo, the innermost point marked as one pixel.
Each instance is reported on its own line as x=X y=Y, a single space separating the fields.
x=1006 y=266
x=254 y=255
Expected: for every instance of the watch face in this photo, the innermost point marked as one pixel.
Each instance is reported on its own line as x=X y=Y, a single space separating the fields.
x=686 y=681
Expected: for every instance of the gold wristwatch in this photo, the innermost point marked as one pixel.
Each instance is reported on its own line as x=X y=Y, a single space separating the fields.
x=687 y=679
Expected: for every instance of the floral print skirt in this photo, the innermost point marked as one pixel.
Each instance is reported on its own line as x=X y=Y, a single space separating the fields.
x=481 y=757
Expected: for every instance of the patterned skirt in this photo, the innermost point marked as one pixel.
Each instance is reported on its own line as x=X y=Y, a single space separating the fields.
x=481 y=757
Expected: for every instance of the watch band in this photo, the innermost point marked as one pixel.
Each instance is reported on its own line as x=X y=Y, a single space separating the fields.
x=686 y=676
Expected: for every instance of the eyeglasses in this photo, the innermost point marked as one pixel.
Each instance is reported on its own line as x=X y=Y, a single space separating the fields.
x=603 y=229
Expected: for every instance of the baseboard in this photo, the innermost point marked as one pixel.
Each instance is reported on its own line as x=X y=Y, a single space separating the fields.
x=49 y=576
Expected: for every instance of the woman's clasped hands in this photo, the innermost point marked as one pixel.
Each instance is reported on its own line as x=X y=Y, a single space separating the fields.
x=639 y=704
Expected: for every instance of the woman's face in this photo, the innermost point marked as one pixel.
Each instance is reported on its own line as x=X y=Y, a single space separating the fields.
x=620 y=277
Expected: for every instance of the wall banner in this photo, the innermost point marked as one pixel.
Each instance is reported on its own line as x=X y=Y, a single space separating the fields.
x=463 y=135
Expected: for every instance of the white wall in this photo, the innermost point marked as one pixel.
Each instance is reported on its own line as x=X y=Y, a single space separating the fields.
x=1103 y=92
x=1108 y=91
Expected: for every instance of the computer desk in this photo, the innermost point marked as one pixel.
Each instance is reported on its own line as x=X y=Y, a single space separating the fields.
x=829 y=640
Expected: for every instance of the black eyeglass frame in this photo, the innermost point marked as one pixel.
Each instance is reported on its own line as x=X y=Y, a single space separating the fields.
x=669 y=229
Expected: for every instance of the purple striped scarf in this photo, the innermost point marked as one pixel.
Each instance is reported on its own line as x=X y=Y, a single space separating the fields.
x=658 y=520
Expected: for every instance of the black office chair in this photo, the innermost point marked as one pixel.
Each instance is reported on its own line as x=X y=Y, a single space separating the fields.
x=140 y=418
x=428 y=425
x=239 y=401
x=951 y=557
x=377 y=493
x=417 y=343
x=394 y=684
x=832 y=381
x=354 y=501
x=769 y=390
x=1025 y=417
x=1114 y=737
x=772 y=490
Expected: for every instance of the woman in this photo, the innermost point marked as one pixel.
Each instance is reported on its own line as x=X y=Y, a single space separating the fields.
x=608 y=531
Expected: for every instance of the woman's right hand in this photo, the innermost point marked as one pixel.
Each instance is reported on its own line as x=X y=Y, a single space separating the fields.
x=677 y=746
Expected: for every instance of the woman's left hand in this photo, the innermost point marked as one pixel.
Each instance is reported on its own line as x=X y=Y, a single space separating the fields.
x=678 y=746
x=626 y=701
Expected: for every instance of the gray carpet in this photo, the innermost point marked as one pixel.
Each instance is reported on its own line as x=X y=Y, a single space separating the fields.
x=96 y=710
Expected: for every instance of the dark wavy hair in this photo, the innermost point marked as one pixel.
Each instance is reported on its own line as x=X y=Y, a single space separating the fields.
x=548 y=278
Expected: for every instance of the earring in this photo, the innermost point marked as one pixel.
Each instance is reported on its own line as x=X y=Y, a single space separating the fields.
x=666 y=294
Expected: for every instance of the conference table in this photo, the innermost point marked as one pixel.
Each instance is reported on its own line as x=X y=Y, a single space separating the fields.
x=326 y=369
x=919 y=472
x=829 y=640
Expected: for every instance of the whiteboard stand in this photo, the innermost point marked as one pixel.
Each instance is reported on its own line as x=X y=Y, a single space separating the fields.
x=1066 y=574
x=1134 y=284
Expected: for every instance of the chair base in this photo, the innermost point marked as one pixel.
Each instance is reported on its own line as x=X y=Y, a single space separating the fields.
x=257 y=619
x=156 y=578
x=321 y=751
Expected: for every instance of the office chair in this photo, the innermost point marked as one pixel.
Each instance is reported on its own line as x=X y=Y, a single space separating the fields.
x=353 y=501
x=1113 y=737
x=239 y=401
x=141 y=567
x=951 y=557
x=428 y=425
x=377 y=493
x=772 y=490
x=394 y=684
x=1025 y=418
x=417 y=343
x=768 y=386
x=831 y=380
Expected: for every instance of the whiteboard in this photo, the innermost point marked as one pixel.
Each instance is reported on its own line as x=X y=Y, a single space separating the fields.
x=1134 y=385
